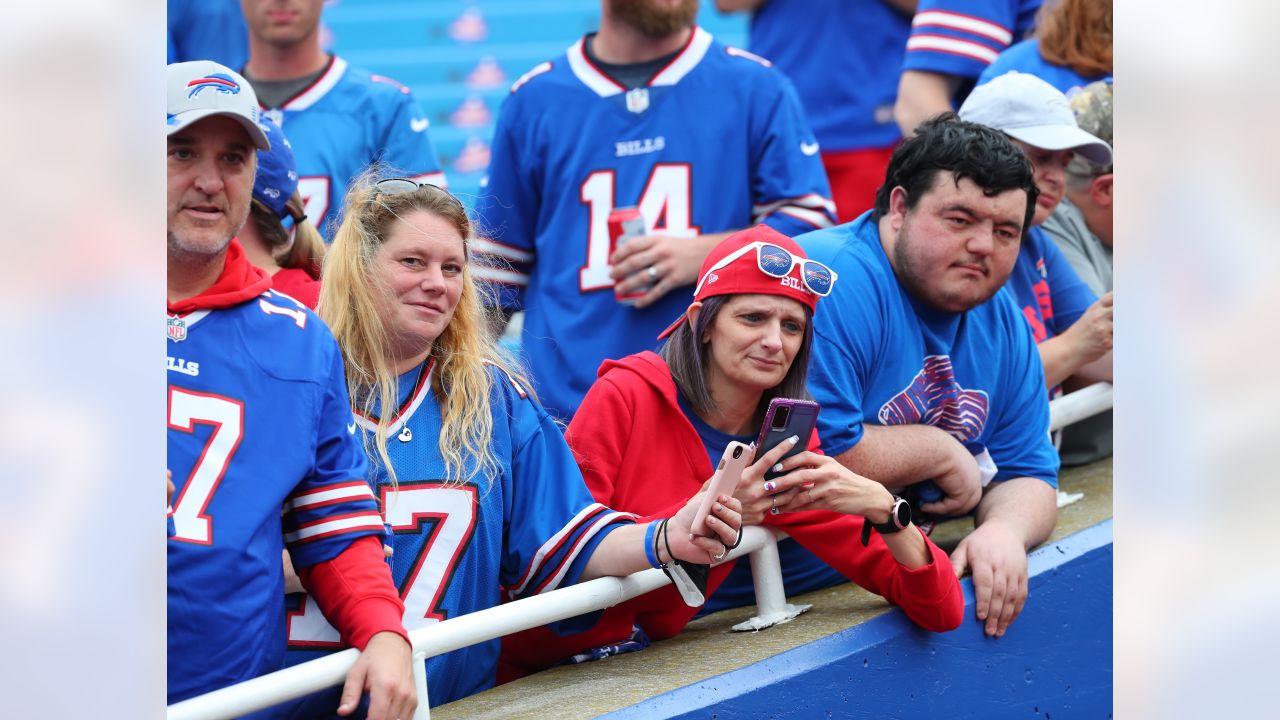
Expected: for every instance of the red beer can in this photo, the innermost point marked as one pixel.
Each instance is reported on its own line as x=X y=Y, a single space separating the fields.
x=626 y=223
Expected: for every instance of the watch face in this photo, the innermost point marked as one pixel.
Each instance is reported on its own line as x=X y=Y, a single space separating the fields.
x=902 y=513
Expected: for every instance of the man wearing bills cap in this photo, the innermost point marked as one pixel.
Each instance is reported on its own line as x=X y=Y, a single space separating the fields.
x=258 y=419
x=927 y=372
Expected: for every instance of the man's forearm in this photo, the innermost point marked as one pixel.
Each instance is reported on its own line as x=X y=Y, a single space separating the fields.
x=921 y=95
x=899 y=455
x=1027 y=506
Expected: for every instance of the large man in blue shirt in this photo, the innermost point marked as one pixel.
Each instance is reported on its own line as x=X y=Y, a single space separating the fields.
x=929 y=371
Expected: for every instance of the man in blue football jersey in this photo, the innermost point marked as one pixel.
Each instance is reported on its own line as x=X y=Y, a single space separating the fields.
x=929 y=371
x=843 y=57
x=339 y=118
x=258 y=422
x=951 y=43
x=650 y=112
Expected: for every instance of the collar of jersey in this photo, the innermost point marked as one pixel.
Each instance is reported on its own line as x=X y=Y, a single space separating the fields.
x=605 y=86
x=410 y=405
x=311 y=94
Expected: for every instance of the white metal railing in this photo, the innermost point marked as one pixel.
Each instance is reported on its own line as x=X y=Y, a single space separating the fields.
x=462 y=631
x=1083 y=403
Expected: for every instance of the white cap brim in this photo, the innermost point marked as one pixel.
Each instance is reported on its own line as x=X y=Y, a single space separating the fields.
x=1063 y=137
x=182 y=120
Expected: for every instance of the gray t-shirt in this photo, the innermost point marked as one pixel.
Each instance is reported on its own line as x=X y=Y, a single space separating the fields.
x=1086 y=253
x=1089 y=439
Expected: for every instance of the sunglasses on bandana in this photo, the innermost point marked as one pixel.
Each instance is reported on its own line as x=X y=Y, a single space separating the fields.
x=776 y=261
x=400 y=186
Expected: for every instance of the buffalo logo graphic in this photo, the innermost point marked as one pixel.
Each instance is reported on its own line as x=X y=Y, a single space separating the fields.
x=218 y=82
x=935 y=398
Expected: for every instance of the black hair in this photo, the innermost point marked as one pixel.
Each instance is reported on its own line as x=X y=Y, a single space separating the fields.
x=945 y=143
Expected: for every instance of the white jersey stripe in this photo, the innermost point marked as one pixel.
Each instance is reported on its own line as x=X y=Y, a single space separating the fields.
x=321 y=88
x=554 y=541
x=966 y=23
x=493 y=274
x=588 y=74
x=814 y=218
x=953 y=46
x=506 y=252
x=582 y=541
x=686 y=61
x=365 y=521
x=350 y=492
x=812 y=201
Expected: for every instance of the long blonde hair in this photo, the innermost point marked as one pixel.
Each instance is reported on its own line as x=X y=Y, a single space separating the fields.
x=349 y=302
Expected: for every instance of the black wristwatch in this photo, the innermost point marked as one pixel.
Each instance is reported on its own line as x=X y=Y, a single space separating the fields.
x=899 y=519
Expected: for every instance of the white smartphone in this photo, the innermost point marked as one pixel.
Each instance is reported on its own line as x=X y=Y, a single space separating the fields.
x=735 y=459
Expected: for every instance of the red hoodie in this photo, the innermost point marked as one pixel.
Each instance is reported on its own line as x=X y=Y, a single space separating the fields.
x=639 y=453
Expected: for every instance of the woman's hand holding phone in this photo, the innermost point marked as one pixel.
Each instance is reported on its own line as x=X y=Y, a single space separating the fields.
x=723 y=481
x=818 y=482
x=723 y=524
x=757 y=502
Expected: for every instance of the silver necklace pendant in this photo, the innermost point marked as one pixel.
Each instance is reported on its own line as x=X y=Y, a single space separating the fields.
x=405 y=434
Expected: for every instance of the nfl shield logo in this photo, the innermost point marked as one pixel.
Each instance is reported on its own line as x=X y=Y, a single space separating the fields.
x=638 y=100
x=177 y=329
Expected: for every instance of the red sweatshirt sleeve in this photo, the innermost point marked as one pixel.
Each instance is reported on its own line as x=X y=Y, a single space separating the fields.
x=930 y=595
x=356 y=594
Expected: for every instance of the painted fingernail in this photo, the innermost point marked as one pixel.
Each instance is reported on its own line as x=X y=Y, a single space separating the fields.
x=717 y=508
x=777 y=468
x=793 y=439
x=769 y=485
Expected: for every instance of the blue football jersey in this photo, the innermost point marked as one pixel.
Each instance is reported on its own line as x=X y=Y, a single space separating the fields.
x=843 y=57
x=1046 y=288
x=343 y=122
x=963 y=37
x=1025 y=57
x=465 y=547
x=886 y=358
x=264 y=452
x=716 y=141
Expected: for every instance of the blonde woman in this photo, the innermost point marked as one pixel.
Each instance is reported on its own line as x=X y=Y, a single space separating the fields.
x=478 y=487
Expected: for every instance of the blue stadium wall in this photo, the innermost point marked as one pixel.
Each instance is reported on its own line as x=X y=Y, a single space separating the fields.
x=1055 y=662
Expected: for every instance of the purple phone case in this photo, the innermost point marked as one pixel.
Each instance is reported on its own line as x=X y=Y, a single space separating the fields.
x=802 y=418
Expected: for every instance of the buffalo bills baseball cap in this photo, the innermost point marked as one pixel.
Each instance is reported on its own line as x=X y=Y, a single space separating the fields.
x=1029 y=109
x=735 y=267
x=277 y=176
x=202 y=88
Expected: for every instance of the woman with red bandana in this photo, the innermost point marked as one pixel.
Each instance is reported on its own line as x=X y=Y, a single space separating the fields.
x=651 y=428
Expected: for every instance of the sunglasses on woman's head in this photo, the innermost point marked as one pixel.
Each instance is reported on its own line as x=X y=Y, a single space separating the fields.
x=400 y=186
x=776 y=261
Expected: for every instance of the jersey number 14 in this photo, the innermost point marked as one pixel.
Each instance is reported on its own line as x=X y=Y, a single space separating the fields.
x=665 y=205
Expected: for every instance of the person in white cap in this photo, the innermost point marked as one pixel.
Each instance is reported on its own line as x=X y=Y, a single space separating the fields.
x=1072 y=326
x=258 y=421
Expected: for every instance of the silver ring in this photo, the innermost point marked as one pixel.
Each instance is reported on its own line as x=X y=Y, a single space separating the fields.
x=723 y=552
x=653 y=273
